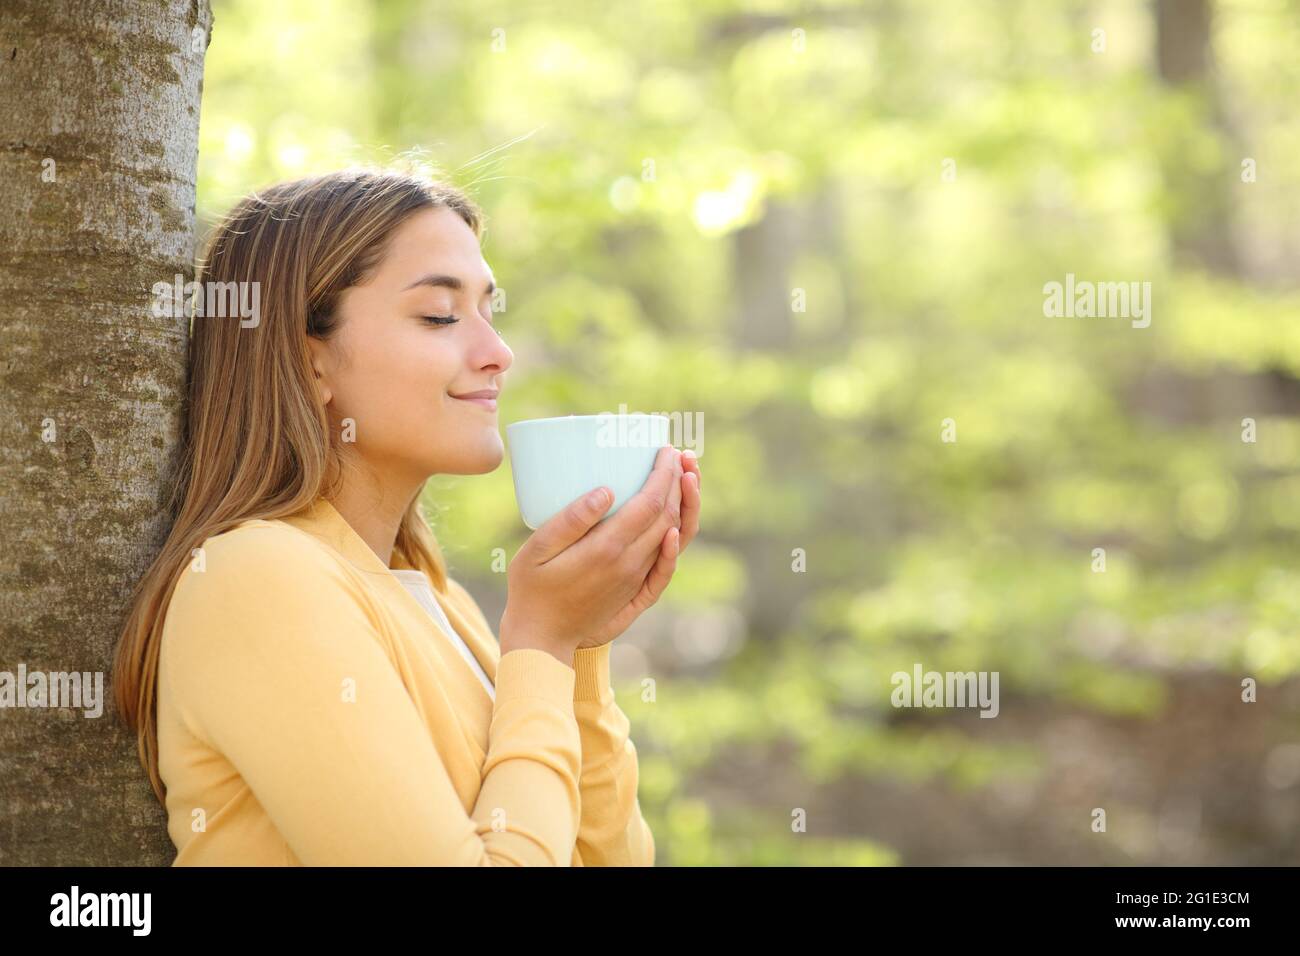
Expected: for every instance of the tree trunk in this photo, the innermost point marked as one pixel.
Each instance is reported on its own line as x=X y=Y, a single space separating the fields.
x=99 y=119
x=1201 y=227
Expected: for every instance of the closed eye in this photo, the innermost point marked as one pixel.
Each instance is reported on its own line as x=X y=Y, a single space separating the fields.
x=440 y=319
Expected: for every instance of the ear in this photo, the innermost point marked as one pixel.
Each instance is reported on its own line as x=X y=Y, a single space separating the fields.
x=320 y=363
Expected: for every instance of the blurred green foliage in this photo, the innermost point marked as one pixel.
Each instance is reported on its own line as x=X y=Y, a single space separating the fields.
x=640 y=165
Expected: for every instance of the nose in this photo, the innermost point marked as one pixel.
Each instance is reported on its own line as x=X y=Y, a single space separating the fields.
x=491 y=348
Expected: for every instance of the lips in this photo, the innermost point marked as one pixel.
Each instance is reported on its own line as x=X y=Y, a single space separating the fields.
x=484 y=398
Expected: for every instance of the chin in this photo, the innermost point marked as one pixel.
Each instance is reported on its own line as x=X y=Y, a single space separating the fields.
x=497 y=457
x=478 y=460
x=488 y=465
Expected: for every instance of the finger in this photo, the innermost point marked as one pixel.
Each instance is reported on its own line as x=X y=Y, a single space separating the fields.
x=640 y=511
x=662 y=572
x=653 y=553
x=648 y=542
x=692 y=464
x=691 y=502
x=569 y=525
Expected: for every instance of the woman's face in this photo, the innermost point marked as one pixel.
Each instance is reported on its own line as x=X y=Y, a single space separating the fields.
x=394 y=370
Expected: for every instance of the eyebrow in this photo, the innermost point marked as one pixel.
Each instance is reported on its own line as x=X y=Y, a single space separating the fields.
x=449 y=282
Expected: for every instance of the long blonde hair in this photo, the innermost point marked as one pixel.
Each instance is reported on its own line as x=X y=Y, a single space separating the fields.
x=258 y=443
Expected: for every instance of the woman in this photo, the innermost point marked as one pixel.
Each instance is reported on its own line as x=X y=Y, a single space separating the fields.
x=307 y=684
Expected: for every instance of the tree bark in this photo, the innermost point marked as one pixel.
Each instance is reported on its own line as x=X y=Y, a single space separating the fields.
x=99 y=118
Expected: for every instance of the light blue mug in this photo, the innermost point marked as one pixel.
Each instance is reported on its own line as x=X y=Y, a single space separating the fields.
x=557 y=460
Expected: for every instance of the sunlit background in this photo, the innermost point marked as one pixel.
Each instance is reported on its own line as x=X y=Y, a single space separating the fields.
x=826 y=229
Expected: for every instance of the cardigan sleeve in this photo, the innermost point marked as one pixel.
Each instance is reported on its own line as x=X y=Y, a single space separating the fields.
x=612 y=831
x=275 y=657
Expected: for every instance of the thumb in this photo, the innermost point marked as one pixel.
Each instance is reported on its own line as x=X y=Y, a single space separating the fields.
x=570 y=524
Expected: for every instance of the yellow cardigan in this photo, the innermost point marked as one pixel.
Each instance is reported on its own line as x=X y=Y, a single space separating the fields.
x=311 y=712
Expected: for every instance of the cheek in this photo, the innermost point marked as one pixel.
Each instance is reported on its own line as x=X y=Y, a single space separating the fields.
x=398 y=385
x=418 y=374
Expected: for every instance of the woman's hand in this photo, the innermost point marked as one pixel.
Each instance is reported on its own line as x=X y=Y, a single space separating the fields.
x=578 y=584
x=662 y=572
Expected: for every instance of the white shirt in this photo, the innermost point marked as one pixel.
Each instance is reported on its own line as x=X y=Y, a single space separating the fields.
x=422 y=590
